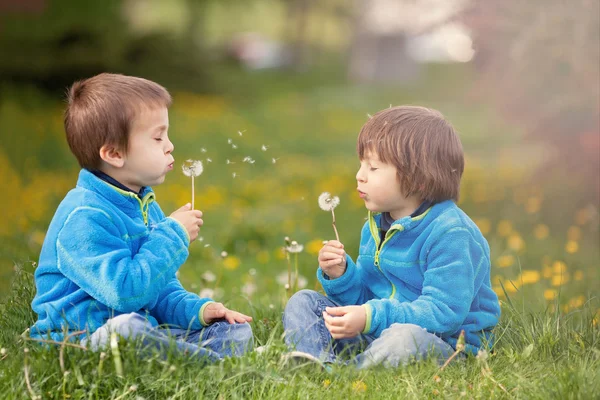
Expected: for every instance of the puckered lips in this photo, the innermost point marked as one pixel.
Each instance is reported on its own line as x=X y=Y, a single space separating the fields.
x=361 y=194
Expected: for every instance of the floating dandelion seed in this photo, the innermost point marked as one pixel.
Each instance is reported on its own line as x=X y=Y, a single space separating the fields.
x=234 y=174
x=229 y=162
x=274 y=160
x=203 y=150
x=369 y=115
x=241 y=132
x=264 y=148
x=229 y=141
x=248 y=159
x=328 y=203
x=192 y=168
x=207 y=245
x=233 y=146
x=209 y=160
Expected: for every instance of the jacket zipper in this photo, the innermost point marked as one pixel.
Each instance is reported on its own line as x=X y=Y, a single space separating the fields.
x=379 y=245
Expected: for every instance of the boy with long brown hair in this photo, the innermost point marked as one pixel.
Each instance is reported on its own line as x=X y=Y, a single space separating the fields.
x=423 y=270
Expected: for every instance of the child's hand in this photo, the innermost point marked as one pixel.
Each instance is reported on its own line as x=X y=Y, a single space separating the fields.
x=345 y=322
x=216 y=311
x=332 y=259
x=190 y=219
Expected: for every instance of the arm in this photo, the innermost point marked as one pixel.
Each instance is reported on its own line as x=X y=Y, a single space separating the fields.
x=448 y=288
x=177 y=306
x=347 y=289
x=92 y=253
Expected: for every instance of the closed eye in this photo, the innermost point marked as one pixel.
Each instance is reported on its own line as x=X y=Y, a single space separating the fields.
x=158 y=139
x=373 y=169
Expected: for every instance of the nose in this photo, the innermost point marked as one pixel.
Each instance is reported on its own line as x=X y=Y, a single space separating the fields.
x=360 y=175
x=170 y=147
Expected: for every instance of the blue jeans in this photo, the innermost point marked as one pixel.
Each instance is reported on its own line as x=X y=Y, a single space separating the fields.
x=210 y=344
x=399 y=344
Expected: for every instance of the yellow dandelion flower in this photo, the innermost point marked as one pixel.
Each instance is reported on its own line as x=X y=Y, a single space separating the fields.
x=541 y=231
x=498 y=290
x=577 y=302
x=550 y=294
x=578 y=276
x=314 y=246
x=574 y=233
x=529 y=276
x=547 y=272
x=559 y=267
x=231 y=262
x=484 y=225
x=505 y=261
x=504 y=228
x=572 y=247
x=558 y=280
x=263 y=257
x=511 y=286
x=326 y=383
x=533 y=205
x=516 y=242
x=359 y=386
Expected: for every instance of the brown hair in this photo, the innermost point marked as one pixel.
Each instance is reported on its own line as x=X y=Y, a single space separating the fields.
x=422 y=145
x=101 y=111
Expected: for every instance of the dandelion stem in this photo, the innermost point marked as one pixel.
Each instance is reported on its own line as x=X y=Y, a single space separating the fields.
x=61 y=358
x=78 y=346
x=192 y=192
x=337 y=236
x=26 y=371
x=460 y=347
x=296 y=271
x=289 y=263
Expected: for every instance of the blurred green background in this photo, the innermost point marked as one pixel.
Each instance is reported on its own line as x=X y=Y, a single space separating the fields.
x=289 y=84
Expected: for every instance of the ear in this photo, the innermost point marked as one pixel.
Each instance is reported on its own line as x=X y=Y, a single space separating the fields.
x=112 y=155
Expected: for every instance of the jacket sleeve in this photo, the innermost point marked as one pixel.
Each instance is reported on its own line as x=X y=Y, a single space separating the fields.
x=92 y=253
x=448 y=288
x=349 y=288
x=176 y=306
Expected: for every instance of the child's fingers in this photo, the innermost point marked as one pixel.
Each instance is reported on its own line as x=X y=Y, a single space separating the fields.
x=336 y=311
x=335 y=243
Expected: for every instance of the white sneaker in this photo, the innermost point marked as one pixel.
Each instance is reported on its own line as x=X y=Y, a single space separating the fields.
x=300 y=359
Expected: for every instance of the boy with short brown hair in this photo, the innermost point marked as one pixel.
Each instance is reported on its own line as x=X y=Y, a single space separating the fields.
x=110 y=255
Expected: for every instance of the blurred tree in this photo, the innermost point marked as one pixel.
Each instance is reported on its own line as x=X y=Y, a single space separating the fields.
x=59 y=41
x=382 y=28
x=540 y=62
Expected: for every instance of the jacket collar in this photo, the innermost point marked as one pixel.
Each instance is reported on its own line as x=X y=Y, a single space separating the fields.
x=119 y=197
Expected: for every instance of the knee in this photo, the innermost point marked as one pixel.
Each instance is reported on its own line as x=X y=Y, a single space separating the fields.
x=129 y=325
x=403 y=333
x=242 y=338
x=301 y=300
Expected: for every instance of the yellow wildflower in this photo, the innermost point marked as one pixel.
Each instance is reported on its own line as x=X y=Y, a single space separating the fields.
x=533 y=205
x=559 y=267
x=504 y=228
x=541 y=231
x=558 y=280
x=231 y=262
x=484 y=225
x=359 y=386
x=326 y=383
x=314 y=246
x=574 y=233
x=550 y=294
x=529 y=276
x=505 y=261
x=577 y=302
x=516 y=242
x=572 y=247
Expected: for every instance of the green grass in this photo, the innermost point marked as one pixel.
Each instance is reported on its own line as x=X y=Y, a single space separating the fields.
x=544 y=247
x=538 y=355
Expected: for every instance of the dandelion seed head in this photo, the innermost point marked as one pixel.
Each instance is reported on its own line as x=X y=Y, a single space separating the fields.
x=3 y=351
x=208 y=276
x=287 y=286
x=192 y=168
x=328 y=202
x=223 y=254
x=252 y=272
x=271 y=306
x=206 y=292
x=294 y=247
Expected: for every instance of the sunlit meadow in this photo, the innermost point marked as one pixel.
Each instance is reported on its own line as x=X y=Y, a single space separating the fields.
x=269 y=150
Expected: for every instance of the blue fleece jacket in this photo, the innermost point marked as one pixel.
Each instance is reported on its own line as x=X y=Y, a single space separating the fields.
x=109 y=252
x=432 y=270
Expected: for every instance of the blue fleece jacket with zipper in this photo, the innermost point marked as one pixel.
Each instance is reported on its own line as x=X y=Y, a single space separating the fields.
x=432 y=270
x=108 y=252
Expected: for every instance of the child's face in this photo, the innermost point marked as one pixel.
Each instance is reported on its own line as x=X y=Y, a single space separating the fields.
x=379 y=187
x=148 y=157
